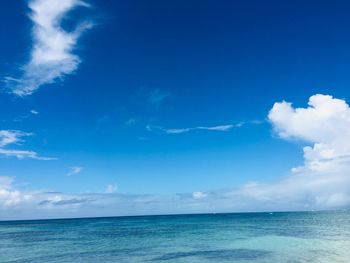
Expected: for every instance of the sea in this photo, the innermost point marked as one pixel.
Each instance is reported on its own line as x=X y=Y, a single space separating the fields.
x=234 y=237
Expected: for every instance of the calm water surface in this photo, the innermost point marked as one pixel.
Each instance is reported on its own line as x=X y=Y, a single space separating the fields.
x=246 y=237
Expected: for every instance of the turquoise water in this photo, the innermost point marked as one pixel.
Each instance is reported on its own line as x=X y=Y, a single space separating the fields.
x=246 y=237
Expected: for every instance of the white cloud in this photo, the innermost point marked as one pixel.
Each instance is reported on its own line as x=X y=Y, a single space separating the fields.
x=210 y=128
x=51 y=57
x=21 y=154
x=9 y=137
x=111 y=188
x=225 y=127
x=325 y=125
x=34 y=112
x=323 y=181
x=75 y=170
x=8 y=195
x=198 y=195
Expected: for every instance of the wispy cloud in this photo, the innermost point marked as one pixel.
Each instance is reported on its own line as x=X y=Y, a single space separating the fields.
x=75 y=170
x=63 y=200
x=10 y=137
x=130 y=121
x=157 y=96
x=222 y=128
x=51 y=57
x=26 y=116
x=111 y=188
x=22 y=154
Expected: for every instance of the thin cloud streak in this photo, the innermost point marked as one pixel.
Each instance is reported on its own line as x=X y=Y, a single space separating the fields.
x=157 y=96
x=51 y=57
x=222 y=128
x=75 y=170
x=10 y=137
x=21 y=154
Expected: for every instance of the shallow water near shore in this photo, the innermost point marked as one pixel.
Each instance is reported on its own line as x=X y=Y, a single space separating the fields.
x=239 y=237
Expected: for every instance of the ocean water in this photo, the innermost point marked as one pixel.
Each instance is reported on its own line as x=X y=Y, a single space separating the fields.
x=243 y=237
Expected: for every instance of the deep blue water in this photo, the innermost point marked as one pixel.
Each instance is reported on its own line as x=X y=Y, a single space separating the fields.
x=241 y=237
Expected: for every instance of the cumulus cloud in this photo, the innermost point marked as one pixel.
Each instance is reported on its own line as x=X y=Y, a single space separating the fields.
x=324 y=124
x=324 y=179
x=9 y=137
x=75 y=170
x=52 y=56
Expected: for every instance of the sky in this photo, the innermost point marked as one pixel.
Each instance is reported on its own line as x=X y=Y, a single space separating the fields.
x=133 y=107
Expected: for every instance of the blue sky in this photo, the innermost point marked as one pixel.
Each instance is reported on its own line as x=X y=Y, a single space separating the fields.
x=164 y=99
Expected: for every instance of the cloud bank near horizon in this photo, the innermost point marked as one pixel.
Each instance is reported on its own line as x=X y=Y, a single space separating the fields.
x=321 y=182
x=51 y=57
